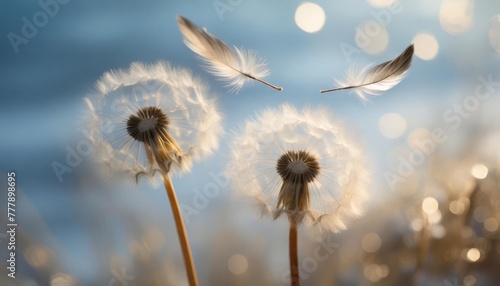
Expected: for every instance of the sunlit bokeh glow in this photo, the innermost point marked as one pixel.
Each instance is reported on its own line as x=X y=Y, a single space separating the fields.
x=371 y=242
x=426 y=46
x=479 y=171
x=37 y=256
x=473 y=254
x=375 y=272
x=456 y=16
x=491 y=224
x=416 y=224
x=392 y=125
x=310 y=17
x=438 y=231
x=430 y=205
x=434 y=217
x=380 y=3
x=61 y=279
x=457 y=207
x=237 y=264
x=470 y=280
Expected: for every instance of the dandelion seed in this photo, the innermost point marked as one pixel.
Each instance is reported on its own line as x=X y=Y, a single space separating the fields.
x=303 y=165
x=154 y=119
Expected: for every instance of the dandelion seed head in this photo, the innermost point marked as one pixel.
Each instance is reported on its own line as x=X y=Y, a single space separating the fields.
x=151 y=118
x=297 y=167
x=148 y=122
x=300 y=164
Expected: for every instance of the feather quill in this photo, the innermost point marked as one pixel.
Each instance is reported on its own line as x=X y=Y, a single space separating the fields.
x=380 y=78
x=236 y=66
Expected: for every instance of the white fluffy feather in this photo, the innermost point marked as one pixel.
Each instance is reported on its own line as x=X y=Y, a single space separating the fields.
x=235 y=66
x=378 y=79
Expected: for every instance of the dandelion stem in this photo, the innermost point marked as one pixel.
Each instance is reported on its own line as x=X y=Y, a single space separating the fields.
x=181 y=231
x=294 y=258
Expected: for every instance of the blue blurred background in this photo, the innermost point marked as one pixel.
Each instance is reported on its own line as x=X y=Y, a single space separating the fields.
x=75 y=229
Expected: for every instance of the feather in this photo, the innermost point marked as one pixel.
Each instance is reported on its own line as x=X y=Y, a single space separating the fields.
x=380 y=78
x=236 y=66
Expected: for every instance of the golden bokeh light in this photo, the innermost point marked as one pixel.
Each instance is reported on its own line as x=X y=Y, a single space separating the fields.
x=62 y=279
x=310 y=17
x=470 y=280
x=426 y=46
x=381 y=3
x=392 y=125
x=371 y=242
x=372 y=37
x=456 y=16
x=416 y=224
x=491 y=224
x=375 y=272
x=434 y=217
x=430 y=205
x=37 y=256
x=457 y=207
x=473 y=254
x=237 y=264
x=479 y=171
x=438 y=231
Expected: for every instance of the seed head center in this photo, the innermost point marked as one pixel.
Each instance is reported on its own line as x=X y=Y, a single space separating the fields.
x=298 y=167
x=147 y=124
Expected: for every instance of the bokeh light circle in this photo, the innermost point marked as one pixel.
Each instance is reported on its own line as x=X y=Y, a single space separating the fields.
x=237 y=264
x=430 y=205
x=473 y=254
x=426 y=46
x=392 y=125
x=456 y=16
x=479 y=171
x=310 y=17
x=371 y=242
x=380 y=3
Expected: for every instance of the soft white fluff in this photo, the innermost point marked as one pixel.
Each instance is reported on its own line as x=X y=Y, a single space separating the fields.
x=234 y=66
x=373 y=81
x=194 y=121
x=364 y=83
x=337 y=193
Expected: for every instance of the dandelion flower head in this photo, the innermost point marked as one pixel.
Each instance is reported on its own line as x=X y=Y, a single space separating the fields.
x=302 y=164
x=152 y=118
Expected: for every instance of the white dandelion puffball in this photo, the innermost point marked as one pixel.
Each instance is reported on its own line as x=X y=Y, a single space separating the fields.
x=152 y=118
x=301 y=164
